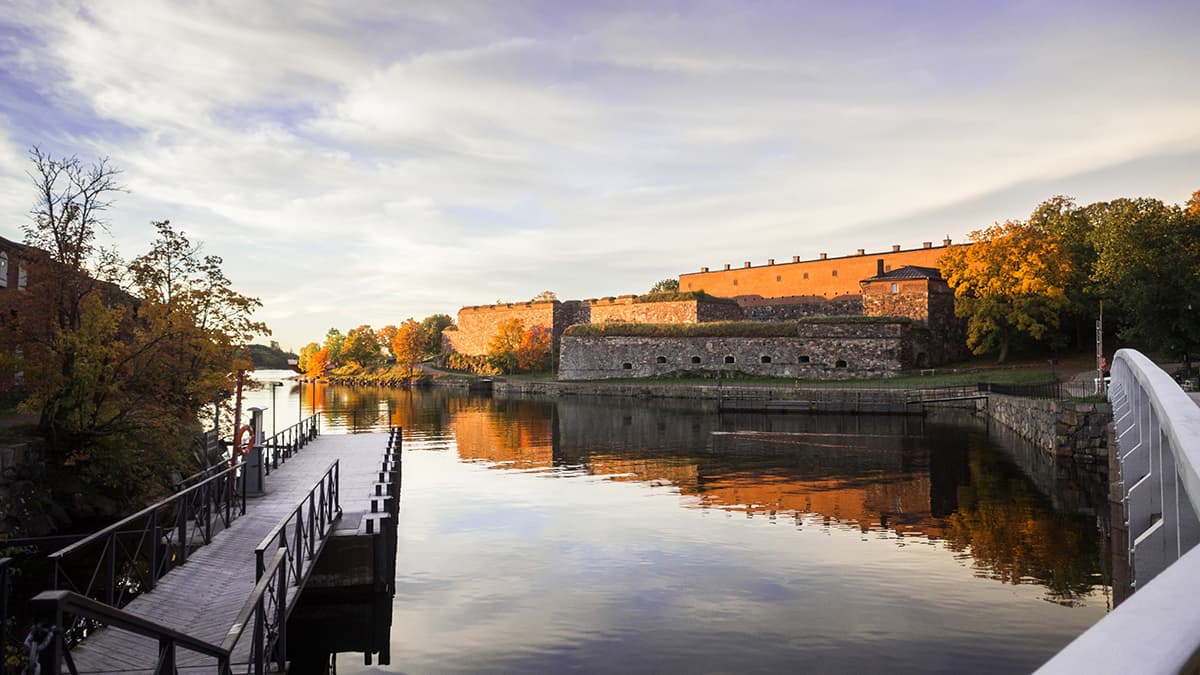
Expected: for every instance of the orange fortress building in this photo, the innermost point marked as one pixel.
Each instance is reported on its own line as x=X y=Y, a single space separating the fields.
x=823 y=277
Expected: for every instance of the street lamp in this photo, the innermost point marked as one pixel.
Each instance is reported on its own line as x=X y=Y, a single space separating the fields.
x=274 y=385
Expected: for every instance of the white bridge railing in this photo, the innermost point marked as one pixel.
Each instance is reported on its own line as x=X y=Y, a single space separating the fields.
x=1156 y=630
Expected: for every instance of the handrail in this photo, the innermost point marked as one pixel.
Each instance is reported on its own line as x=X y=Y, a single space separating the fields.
x=52 y=605
x=132 y=559
x=270 y=637
x=206 y=472
x=1157 y=629
x=311 y=521
x=279 y=447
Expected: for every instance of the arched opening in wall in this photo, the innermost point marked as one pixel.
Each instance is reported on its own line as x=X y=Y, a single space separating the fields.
x=840 y=364
x=627 y=366
x=764 y=359
x=728 y=359
x=804 y=358
x=660 y=359
x=922 y=360
x=695 y=359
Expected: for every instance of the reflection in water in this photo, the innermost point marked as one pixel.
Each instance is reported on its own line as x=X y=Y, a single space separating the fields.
x=600 y=569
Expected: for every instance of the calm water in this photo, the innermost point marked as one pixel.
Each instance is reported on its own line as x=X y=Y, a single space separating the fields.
x=615 y=535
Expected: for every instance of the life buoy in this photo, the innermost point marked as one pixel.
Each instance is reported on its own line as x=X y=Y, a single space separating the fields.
x=242 y=448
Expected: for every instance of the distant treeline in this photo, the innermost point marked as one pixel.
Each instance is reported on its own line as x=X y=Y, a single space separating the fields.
x=271 y=357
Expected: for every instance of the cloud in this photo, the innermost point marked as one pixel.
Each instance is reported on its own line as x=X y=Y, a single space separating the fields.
x=365 y=163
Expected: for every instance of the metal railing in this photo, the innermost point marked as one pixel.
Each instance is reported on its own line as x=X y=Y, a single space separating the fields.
x=303 y=532
x=279 y=448
x=1046 y=390
x=266 y=609
x=132 y=554
x=1157 y=629
x=4 y=565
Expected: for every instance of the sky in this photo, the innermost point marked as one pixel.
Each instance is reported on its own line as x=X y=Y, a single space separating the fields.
x=361 y=163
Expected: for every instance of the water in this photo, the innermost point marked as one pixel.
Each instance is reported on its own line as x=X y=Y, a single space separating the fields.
x=618 y=535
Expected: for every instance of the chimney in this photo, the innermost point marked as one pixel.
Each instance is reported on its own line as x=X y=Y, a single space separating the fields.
x=862 y=251
x=795 y=258
x=770 y=261
x=895 y=248
x=703 y=269
x=726 y=267
x=824 y=256
x=746 y=264
x=927 y=244
x=946 y=241
x=879 y=267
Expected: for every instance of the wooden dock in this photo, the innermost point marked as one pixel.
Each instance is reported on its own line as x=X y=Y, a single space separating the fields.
x=203 y=597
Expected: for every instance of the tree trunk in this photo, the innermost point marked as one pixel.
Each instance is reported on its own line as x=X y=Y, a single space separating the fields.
x=1003 y=349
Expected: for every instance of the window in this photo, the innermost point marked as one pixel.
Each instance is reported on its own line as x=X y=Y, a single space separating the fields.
x=728 y=359
x=735 y=282
x=764 y=359
x=806 y=275
x=3 y=269
x=804 y=358
x=22 y=278
x=840 y=364
x=695 y=359
x=661 y=359
x=895 y=288
x=835 y=273
x=627 y=366
x=778 y=277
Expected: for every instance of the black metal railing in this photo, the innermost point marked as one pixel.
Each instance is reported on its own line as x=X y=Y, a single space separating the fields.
x=128 y=557
x=1047 y=390
x=279 y=448
x=304 y=530
x=268 y=608
x=201 y=475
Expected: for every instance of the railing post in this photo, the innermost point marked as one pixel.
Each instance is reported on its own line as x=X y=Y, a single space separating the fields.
x=281 y=617
x=256 y=650
x=312 y=532
x=47 y=614
x=166 y=656
x=181 y=527
x=207 y=496
x=152 y=552
x=110 y=569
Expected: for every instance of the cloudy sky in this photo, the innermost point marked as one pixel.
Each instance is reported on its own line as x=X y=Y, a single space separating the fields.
x=362 y=164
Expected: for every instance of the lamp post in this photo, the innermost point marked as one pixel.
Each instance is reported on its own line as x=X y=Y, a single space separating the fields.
x=274 y=385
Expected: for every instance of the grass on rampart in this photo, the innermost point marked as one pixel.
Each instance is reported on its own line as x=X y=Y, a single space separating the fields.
x=681 y=296
x=751 y=329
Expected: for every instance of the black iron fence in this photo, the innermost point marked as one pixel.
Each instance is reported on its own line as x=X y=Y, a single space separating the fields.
x=279 y=448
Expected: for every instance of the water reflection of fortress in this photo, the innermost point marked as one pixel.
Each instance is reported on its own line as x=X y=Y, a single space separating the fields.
x=873 y=474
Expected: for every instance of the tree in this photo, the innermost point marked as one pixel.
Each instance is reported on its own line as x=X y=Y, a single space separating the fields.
x=306 y=354
x=409 y=345
x=433 y=325
x=71 y=198
x=1010 y=282
x=318 y=363
x=333 y=342
x=386 y=335
x=665 y=286
x=544 y=296
x=361 y=346
x=515 y=348
x=1147 y=269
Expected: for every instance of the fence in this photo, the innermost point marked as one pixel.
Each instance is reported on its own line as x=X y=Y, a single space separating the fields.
x=1156 y=630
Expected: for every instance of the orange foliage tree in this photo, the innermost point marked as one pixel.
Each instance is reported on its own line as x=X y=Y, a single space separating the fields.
x=318 y=362
x=408 y=345
x=515 y=348
x=1010 y=282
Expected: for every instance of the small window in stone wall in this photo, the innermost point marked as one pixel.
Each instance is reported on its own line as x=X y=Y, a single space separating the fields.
x=778 y=277
x=695 y=359
x=735 y=282
x=835 y=273
x=661 y=359
x=804 y=358
x=764 y=359
x=895 y=288
x=806 y=275
x=627 y=366
x=840 y=364
x=728 y=359
x=891 y=353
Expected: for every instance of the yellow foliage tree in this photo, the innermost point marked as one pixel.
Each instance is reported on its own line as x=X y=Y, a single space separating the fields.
x=515 y=348
x=1010 y=282
x=408 y=345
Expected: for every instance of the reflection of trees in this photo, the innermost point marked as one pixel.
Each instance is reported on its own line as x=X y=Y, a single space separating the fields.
x=511 y=433
x=1015 y=537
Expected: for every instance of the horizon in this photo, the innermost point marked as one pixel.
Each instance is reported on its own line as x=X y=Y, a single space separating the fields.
x=363 y=165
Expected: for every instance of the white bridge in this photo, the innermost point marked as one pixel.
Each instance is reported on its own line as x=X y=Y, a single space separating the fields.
x=1157 y=629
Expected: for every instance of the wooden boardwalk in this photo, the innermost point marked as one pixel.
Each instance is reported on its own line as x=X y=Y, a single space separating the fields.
x=203 y=597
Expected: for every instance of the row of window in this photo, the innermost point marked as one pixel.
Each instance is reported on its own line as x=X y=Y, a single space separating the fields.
x=832 y=273
x=840 y=363
x=22 y=277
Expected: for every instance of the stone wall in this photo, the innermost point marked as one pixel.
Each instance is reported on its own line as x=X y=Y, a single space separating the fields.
x=757 y=308
x=1064 y=429
x=477 y=325
x=834 y=351
x=624 y=309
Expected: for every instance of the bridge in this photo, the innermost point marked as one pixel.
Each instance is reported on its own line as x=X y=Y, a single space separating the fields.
x=1157 y=629
x=205 y=580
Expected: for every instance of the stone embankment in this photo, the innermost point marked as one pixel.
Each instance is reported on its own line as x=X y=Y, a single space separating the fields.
x=1067 y=430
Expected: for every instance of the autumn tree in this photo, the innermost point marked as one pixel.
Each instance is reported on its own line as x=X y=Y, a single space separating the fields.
x=306 y=354
x=515 y=348
x=665 y=286
x=433 y=326
x=408 y=345
x=1009 y=283
x=318 y=363
x=361 y=347
x=385 y=336
x=333 y=342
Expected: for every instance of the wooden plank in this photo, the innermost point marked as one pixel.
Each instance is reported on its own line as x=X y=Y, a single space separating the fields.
x=204 y=596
